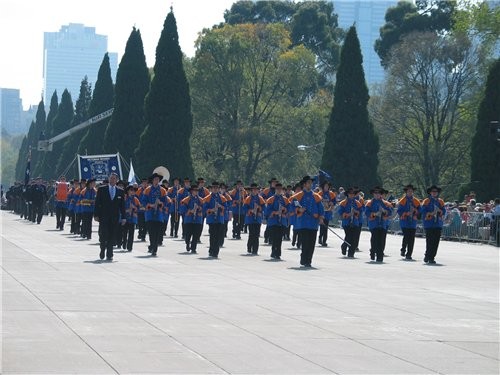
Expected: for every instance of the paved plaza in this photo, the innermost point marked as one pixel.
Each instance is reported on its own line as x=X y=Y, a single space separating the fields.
x=66 y=312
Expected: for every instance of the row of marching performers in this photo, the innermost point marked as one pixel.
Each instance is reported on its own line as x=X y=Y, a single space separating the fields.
x=378 y=212
x=303 y=209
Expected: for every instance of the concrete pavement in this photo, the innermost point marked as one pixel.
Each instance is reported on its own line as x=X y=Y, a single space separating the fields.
x=64 y=311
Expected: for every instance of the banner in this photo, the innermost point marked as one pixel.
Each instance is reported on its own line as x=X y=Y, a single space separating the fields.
x=99 y=166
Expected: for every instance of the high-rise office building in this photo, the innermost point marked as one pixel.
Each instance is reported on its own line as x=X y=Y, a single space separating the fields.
x=70 y=54
x=368 y=16
x=11 y=108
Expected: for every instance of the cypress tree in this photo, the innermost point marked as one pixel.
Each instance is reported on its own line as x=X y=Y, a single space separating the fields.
x=102 y=100
x=39 y=133
x=22 y=158
x=61 y=123
x=485 y=146
x=351 y=145
x=42 y=165
x=132 y=84
x=70 y=145
x=166 y=138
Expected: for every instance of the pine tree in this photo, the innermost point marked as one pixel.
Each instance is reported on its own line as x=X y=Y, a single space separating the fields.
x=102 y=100
x=351 y=145
x=166 y=138
x=39 y=133
x=132 y=84
x=70 y=145
x=42 y=165
x=485 y=146
x=60 y=124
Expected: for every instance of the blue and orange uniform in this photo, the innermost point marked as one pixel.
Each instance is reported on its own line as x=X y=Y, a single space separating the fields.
x=432 y=211
x=350 y=211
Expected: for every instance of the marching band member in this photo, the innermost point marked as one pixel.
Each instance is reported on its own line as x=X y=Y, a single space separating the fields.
x=310 y=214
x=378 y=212
x=78 y=208
x=154 y=200
x=227 y=211
x=173 y=194
x=182 y=193
x=87 y=205
x=238 y=195
x=266 y=194
x=432 y=210
x=254 y=208
x=192 y=209
x=61 y=195
x=350 y=210
x=296 y=239
x=132 y=209
x=141 y=222
x=214 y=209
x=70 y=204
x=408 y=207
x=276 y=212
x=328 y=199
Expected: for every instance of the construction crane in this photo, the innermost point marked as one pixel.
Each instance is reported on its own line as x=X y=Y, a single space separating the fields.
x=46 y=144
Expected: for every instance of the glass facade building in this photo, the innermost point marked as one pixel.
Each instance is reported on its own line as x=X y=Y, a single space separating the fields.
x=368 y=16
x=70 y=54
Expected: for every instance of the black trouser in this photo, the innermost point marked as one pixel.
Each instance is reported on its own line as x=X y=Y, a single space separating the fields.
x=192 y=235
x=60 y=217
x=351 y=238
x=154 y=230
x=37 y=212
x=238 y=221
x=128 y=236
x=163 y=231
x=308 y=244
x=253 y=238
x=72 y=218
x=323 y=232
x=276 y=237
x=87 y=224
x=432 y=237
x=174 y=225
x=286 y=233
x=224 y=233
x=297 y=238
x=377 y=242
x=141 y=224
x=215 y=230
x=119 y=234
x=266 y=234
x=107 y=236
x=408 y=241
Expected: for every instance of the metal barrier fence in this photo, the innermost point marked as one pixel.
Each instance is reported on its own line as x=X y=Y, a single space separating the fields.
x=458 y=226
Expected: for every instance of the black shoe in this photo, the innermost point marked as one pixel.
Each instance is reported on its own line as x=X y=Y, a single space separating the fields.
x=129 y=250
x=432 y=261
x=110 y=259
x=324 y=244
x=188 y=249
x=408 y=257
x=403 y=252
x=277 y=257
x=249 y=251
x=426 y=259
x=193 y=252
x=372 y=256
x=153 y=253
x=344 y=251
x=293 y=244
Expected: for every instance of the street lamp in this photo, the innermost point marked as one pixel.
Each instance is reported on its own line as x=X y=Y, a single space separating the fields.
x=305 y=147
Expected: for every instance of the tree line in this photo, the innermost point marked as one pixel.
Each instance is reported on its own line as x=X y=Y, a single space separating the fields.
x=277 y=74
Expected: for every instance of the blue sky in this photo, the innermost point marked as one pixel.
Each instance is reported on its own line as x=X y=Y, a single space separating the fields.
x=23 y=22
